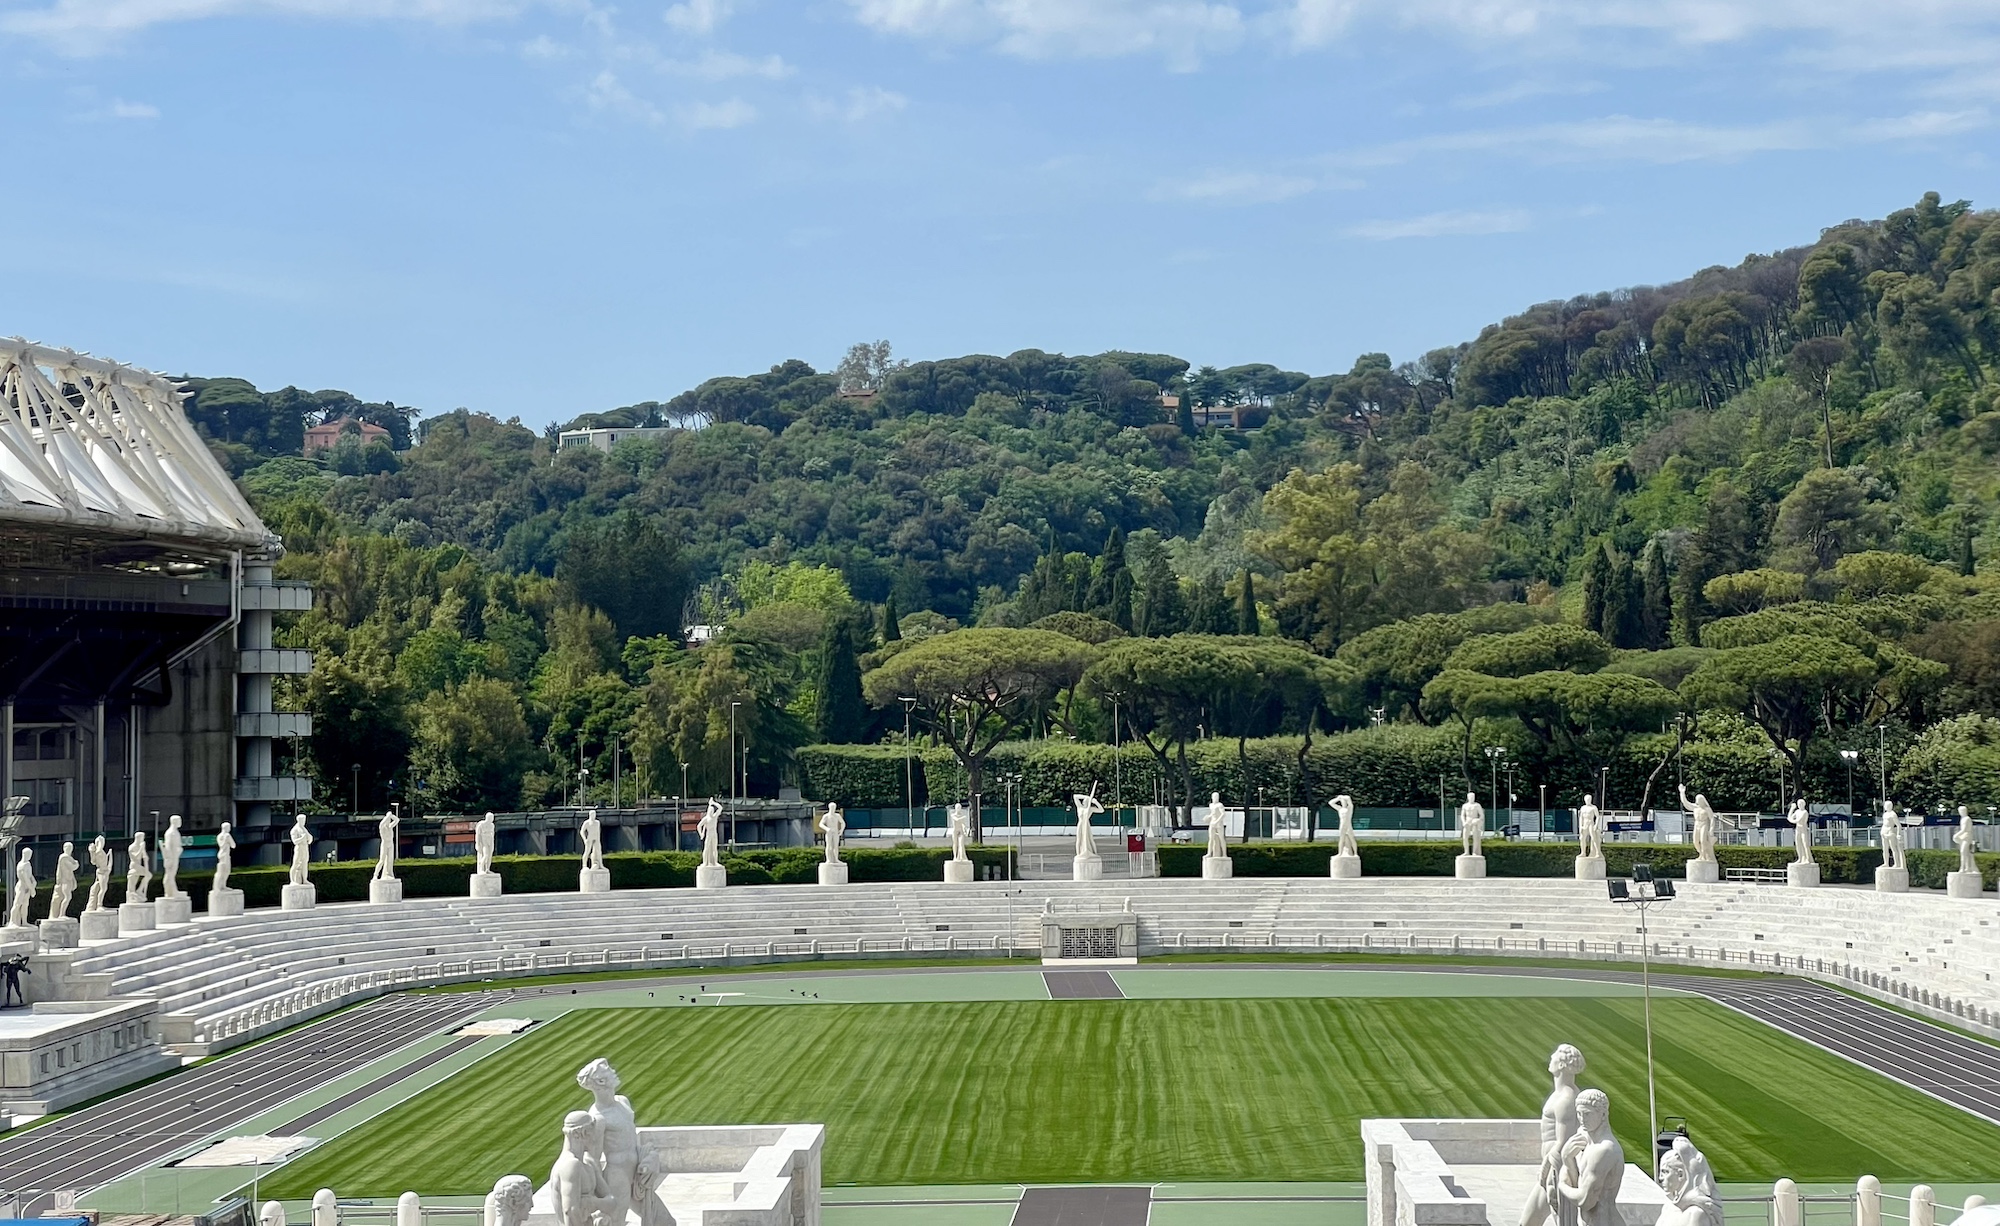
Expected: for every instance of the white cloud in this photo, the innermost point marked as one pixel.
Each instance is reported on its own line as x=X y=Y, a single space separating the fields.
x=84 y=26
x=699 y=17
x=119 y=109
x=1179 y=31
x=727 y=66
x=1450 y=223
x=1236 y=187
x=708 y=116
x=608 y=95
x=858 y=105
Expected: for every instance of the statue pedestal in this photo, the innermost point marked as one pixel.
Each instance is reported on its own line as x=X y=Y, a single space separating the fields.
x=593 y=881
x=174 y=909
x=1344 y=868
x=1892 y=880
x=711 y=877
x=1704 y=870
x=225 y=901
x=385 y=889
x=1217 y=868
x=20 y=934
x=958 y=872
x=833 y=872
x=1590 y=868
x=1470 y=868
x=64 y=933
x=485 y=885
x=1956 y=884
x=136 y=917
x=1801 y=874
x=99 y=925
x=1087 y=868
x=299 y=897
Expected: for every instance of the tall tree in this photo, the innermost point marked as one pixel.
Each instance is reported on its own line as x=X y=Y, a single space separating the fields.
x=1246 y=606
x=840 y=716
x=1597 y=580
x=892 y=628
x=1656 y=598
x=628 y=568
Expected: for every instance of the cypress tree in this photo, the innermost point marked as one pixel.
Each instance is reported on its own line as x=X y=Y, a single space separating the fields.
x=892 y=628
x=1162 y=609
x=840 y=717
x=1246 y=606
x=1621 y=601
x=1184 y=415
x=1596 y=588
x=1657 y=599
x=1102 y=598
x=1965 y=560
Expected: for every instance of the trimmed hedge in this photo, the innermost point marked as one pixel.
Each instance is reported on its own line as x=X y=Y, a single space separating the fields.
x=1423 y=858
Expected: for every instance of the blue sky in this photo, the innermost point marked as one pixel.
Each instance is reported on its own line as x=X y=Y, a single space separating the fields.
x=545 y=208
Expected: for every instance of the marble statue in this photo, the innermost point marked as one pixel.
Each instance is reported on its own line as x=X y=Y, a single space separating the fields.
x=302 y=843
x=1590 y=829
x=959 y=818
x=573 y=1181
x=1893 y=838
x=1472 y=826
x=100 y=864
x=592 y=831
x=1693 y=1199
x=138 y=868
x=834 y=825
x=65 y=883
x=1086 y=808
x=1967 y=840
x=1593 y=1165
x=482 y=845
x=1218 y=828
x=645 y=1181
x=1801 y=819
x=1558 y=1125
x=614 y=1139
x=272 y=1214
x=510 y=1201
x=24 y=889
x=1704 y=824
x=1344 y=806
x=385 y=857
x=171 y=847
x=225 y=844
x=710 y=829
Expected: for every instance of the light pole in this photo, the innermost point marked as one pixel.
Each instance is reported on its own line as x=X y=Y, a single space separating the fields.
x=1882 y=760
x=1604 y=786
x=732 y=774
x=909 y=774
x=1542 y=820
x=1642 y=891
x=357 y=789
x=1850 y=756
x=1493 y=755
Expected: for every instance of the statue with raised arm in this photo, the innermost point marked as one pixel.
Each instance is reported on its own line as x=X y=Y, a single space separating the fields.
x=1704 y=824
x=225 y=845
x=1344 y=806
x=100 y=866
x=1589 y=829
x=65 y=883
x=1801 y=819
x=385 y=855
x=1218 y=828
x=833 y=825
x=1472 y=826
x=614 y=1140
x=1558 y=1125
x=302 y=843
x=710 y=829
x=1086 y=808
x=959 y=819
x=171 y=847
x=1966 y=838
x=1693 y=1198
x=138 y=868
x=24 y=889
x=1593 y=1166
x=482 y=844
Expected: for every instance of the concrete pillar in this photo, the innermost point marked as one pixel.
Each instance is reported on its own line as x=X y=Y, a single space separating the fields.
x=409 y=1210
x=1868 y=1201
x=1923 y=1205
x=97 y=765
x=325 y=1208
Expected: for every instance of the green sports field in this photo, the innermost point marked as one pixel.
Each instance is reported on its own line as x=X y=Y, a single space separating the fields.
x=1215 y=1089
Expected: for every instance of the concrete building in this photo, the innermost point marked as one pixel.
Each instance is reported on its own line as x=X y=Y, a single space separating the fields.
x=326 y=435
x=604 y=438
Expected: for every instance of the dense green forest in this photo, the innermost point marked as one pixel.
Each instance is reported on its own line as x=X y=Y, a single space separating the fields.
x=1721 y=529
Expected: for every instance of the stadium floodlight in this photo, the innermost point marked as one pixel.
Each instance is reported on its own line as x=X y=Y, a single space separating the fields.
x=1642 y=891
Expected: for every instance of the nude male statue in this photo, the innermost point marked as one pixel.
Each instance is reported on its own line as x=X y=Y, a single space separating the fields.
x=1704 y=824
x=1472 y=825
x=1593 y=1166
x=614 y=1141
x=138 y=868
x=65 y=882
x=834 y=825
x=1086 y=808
x=510 y=1201
x=1218 y=828
x=1558 y=1125
x=385 y=835
x=225 y=844
x=573 y=1181
x=960 y=819
x=1590 y=829
x=24 y=889
x=482 y=844
x=1801 y=819
x=710 y=829
x=100 y=864
x=302 y=842
x=1344 y=806
x=1967 y=840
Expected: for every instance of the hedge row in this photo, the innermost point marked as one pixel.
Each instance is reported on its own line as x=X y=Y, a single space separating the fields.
x=1398 y=858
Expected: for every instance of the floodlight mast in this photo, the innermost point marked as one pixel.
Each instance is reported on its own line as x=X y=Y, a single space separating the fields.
x=1642 y=891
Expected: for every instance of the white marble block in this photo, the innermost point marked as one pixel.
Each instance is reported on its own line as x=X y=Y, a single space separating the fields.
x=958 y=872
x=300 y=897
x=1590 y=868
x=1704 y=871
x=385 y=889
x=1802 y=874
x=593 y=881
x=486 y=885
x=136 y=917
x=21 y=935
x=1086 y=868
x=1958 y=885
x=60 y=933
x=1471 y=868
x=225 y=901
x=1345 y=868
x=99 y=925
x=1217 y=868
x=177 y=909
x=711 y=877
x=833 y=874
x=1892 y=880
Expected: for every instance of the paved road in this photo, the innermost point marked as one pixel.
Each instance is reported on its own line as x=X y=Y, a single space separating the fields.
x=98 y=1144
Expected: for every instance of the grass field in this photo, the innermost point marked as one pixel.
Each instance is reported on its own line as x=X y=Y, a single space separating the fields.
x=1190 y=1090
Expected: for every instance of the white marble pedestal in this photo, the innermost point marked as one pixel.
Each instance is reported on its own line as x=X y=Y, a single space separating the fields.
x=60 y=933
x=1956 y=884
x=1470 y=868
x=1086 y=868
x=21 y=934
x=593 y=881
x=385 y=889
x=1704 y=871
x=1217 y=868
x=299 y=897
x=136 y=917
x=1344 y=868
x=833 y=873
x=1802 y=874
x=486 y=885
x=99 y=925
x=174 y=909
x=958 y=872
x=1590 y=868
x=1892 y=880
x=711 y=877
x=225 y=901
